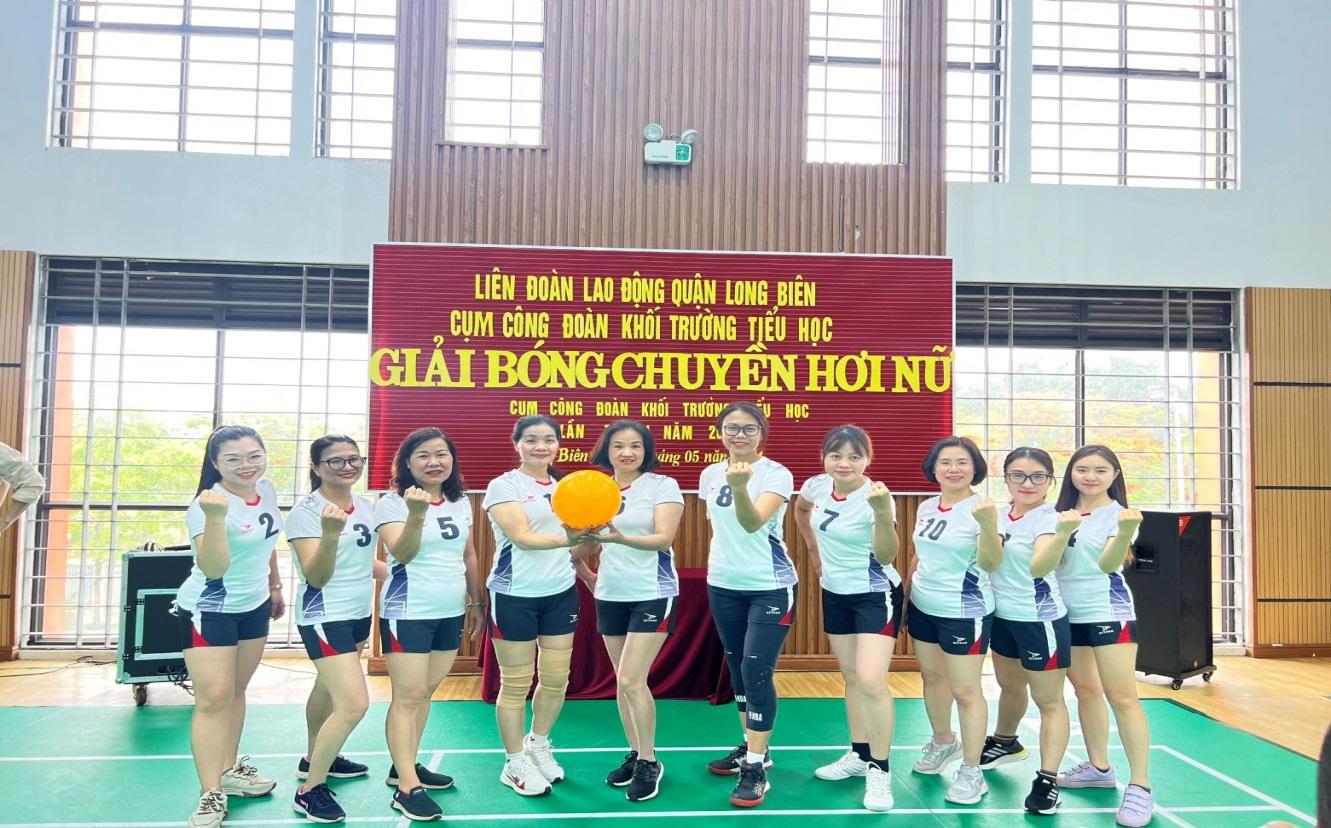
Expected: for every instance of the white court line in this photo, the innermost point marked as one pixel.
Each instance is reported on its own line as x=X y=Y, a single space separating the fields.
x=1248 y=789
x=754 y=814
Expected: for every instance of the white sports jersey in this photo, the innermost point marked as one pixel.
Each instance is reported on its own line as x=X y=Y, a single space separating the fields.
x=251 y=536
x=949 y=582
x=1093 y=596
x=629 y=574
x=349 y=594
x=521 y=572
x=740 y=560
x=1017 y=595
x=844 y=530
x=434 y=583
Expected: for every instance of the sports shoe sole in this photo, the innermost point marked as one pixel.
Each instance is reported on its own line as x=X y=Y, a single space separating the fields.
x=1044 y=811
x=956 y=757
x=659 y=776
x=249 y=794
x=971 y=801
x=392 y=782
x=752 y=803
x=838 y=776
x=880 y=808
x=306 y=775
x=295 y=806
x=518 y=789
x=623 y=784
x=1006 y=759
x=1072 y=783
x=767 y=764
x=415 y=817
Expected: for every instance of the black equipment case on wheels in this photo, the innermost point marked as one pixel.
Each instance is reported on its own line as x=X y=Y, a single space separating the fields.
x=1170 y=578
x=149 y=635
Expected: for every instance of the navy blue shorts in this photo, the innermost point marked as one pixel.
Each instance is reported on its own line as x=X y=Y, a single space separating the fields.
x=1102 y=635
x=956 y=636
x=864 y=612
x=514 y=618
x=656 y=615
x=222 y=629
x=1040 y=645
x=420 y=635
x=331 y=638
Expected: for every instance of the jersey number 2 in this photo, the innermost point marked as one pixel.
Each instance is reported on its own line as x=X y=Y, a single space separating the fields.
x=269 y=525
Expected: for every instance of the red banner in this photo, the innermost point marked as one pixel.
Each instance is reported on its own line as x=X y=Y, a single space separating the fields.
x=468 y=338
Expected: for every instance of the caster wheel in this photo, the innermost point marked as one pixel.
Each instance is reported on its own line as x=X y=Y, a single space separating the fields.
x=1207 y=676
x=1177 y=684
x=140 y=692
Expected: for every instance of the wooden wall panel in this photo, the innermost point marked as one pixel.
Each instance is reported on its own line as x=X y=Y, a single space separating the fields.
x=16 y=276
x=735 y=71
x=1289 y=356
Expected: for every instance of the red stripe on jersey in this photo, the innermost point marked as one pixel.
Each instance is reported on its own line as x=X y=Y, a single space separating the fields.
x=545 y=482
x=1053 y=662
x=1125 y=634
x=196 y=639
x=327 y=650
x=976 y=649
x=435 y=502
x=257 y=500
x=665 y=623
x=392 y=639
x=890 y=630
x=839 y=499
x=785 y=619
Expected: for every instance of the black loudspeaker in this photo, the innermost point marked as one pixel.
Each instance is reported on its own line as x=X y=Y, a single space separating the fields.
x=149 y=633
x=1170 y=578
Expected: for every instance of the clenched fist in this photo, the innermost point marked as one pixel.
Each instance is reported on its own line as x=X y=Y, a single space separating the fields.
x=1067 y=523
x=738 y=475
x=986 y=513
x=879 y=498
x=418 y=500
x=1129 y=520
x=214 y=504
x=332 y=520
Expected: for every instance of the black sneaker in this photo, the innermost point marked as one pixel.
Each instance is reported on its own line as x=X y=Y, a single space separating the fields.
x=343 y=768
x=432 y=780
x=729 y=764
x=753 y=786
x=317 y=805
x=417 y=806
x=996 y=754
x=646 y=782
x=1043 y=798
x=620 y=776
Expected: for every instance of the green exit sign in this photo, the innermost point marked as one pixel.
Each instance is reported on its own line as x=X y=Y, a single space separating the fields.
x=683 y=153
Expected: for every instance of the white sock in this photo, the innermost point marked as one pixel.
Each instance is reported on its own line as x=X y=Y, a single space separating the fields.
x=513 y=757
x=754 y=758
x=538 y=740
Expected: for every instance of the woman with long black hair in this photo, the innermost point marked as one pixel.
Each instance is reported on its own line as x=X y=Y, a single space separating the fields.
x=224 y=608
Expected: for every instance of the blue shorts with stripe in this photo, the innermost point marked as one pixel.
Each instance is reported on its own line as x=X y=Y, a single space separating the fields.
x=956 y=636
x=331 y=638
x=420 y=635
x=1040 y=645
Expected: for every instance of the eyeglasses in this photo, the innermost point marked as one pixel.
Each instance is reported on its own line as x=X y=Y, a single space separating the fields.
x=340 y=463
x=1038 y=478
x=734 y=430
x=233 y=462
x=953 y=464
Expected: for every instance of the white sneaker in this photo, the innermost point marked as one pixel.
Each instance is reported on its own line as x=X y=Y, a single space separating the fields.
x=211 y=810
x=848 y=765
x=523 y=777
x=967 y=786
x=878 y=789
x=244 y=780
x=935 y=757
x=544 y=759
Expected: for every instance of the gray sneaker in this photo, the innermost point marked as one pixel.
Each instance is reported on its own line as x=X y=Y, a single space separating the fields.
x=935 y=758
x=211 y=810
x=1137 y=808
x=244 y=780
x=967 y=786
x=1086 y=775
x=847 y=765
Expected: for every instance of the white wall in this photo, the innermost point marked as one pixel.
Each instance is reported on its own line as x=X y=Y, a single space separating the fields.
x=174 y=205
x=1274 y=230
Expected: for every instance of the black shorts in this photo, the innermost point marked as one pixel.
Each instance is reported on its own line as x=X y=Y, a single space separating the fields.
x=956 y=636
x=514 y=618
x=864 y=612
x=332 y=638
x=222 y=629
x=656 y=615
x=420 y=635
x=1040 y=645
x=757 y=606
x=1102 y=635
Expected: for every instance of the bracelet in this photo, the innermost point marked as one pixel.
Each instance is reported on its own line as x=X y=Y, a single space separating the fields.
x=476 y=604
x=272 y=587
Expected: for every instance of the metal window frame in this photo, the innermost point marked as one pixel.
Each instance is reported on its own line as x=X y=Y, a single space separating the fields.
x=997 y=72
x=511 y=46
x=328 y=36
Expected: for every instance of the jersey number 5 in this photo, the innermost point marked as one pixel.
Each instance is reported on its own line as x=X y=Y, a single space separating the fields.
x=448 y=528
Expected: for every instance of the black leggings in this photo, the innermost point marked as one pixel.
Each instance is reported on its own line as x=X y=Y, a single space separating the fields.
x=753 y=626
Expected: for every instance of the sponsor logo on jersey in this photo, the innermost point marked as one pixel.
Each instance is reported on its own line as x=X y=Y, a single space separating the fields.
x=1106 y=629
x=247 y=528
x=960 y=639
x=1030 y=656
x=649 y=617
x=773 y=610
x=755 y=717
x=573 y=619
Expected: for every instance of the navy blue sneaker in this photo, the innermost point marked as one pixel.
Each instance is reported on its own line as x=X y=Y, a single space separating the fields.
x=318 y=805
x=343 y=768
x=431 y=780
x=417 y=806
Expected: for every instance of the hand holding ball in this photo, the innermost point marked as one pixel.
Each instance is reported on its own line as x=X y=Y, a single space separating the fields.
x=586 y=499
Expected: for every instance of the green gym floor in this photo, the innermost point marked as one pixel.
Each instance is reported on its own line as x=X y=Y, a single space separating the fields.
x=126 y=766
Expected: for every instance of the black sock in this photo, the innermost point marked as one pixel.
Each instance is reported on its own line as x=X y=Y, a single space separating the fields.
x=861 y=750
x=1102 y=770
x=1052 y=777
x=881 y=764
x=1005 y=741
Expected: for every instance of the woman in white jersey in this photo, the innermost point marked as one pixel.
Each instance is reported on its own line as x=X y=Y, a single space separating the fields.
x=950 y=610
x=330 y=531
x=636 y=589
x=750 y=585
x=223 y=610
x=433 y=584
x=1104 y=628
x=1030 y=637
x=849 y=526
x=533 y=602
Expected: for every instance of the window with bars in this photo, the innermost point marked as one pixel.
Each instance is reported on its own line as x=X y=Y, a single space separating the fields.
x=976 y=90
x=496 y=52
x=1134 y=93
x=854 y=102
x=174 y=75
x=1152 y=373
x=138 y=361
x=356 y=55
